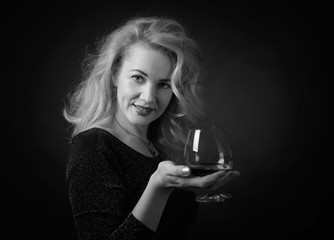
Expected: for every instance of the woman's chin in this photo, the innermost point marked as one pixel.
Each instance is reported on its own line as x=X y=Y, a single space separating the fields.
x=138 y=120
x=142 y=118
x=142 y=121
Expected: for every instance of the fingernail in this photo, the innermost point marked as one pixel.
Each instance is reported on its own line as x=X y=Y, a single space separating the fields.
x=185 y=170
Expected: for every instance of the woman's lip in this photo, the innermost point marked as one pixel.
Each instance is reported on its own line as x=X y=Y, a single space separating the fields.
x=144 y=107
x=143 y=111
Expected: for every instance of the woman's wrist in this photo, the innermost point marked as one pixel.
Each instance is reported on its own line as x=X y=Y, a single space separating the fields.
x=150 y=206
x=157 y=184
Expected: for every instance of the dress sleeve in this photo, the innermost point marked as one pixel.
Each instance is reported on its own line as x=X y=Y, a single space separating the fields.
x=99 y=200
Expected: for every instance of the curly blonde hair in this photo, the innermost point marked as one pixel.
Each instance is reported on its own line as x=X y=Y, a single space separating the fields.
x=94 y=98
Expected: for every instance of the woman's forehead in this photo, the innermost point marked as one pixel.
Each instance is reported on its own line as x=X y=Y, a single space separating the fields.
x=153 y=62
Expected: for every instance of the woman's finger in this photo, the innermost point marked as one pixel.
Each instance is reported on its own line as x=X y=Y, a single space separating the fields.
x=170 y=168
x=208 y=182
x=171 y=175
x=200 y=182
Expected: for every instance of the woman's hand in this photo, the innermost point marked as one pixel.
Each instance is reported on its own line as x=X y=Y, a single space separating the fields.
x=169 y=176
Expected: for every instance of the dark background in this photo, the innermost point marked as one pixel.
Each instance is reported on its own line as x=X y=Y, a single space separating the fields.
x=265 y=82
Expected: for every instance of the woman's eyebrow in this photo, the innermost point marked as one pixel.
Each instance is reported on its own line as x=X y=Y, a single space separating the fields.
x=165 y=80
x=140 y=71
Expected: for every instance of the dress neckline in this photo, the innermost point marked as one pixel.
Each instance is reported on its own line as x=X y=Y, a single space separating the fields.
x=121 y=142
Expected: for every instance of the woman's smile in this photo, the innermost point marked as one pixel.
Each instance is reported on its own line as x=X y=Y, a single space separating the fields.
x=143 y=111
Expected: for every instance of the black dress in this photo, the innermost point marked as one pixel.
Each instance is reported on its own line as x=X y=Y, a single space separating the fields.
x=105 y=180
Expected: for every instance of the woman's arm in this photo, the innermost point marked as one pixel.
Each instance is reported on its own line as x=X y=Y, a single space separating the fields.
x=169 y=176
x=100 y=201
x=151 y=205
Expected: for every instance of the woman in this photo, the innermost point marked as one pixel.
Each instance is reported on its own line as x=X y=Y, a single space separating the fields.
x=130 y=114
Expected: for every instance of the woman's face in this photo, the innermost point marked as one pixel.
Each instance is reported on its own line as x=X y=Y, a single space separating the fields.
x=143 y=86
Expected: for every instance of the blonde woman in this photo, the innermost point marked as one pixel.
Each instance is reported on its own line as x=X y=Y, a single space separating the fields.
x=129 y=116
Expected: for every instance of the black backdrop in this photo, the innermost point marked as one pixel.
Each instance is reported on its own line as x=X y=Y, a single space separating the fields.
x=265 y=82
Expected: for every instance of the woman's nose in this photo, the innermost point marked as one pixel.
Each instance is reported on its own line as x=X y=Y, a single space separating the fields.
x=148 y=93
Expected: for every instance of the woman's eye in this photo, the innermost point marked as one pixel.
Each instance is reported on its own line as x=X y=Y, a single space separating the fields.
x=137 y=78
x=164 y=85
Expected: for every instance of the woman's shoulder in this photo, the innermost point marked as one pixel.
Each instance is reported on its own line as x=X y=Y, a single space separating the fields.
x=94 y=140
x=91 y=142
x=93 y=147
x=92 y=136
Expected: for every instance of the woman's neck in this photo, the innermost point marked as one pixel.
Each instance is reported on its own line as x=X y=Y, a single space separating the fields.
x=121 y=122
